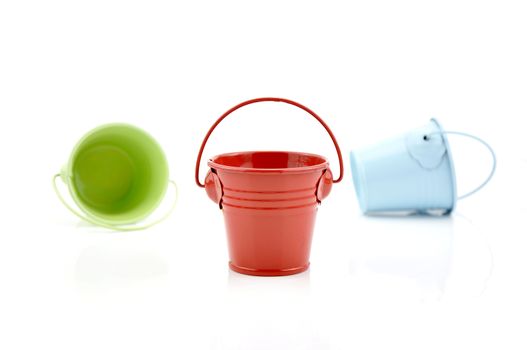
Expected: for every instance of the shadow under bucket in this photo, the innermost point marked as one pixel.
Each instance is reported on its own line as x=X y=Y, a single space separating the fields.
x=269 y=201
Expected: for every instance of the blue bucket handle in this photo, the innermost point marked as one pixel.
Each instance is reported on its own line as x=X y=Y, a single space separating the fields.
x=489 y=177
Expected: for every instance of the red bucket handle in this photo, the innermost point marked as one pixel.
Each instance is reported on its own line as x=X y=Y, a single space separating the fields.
x=268 y=99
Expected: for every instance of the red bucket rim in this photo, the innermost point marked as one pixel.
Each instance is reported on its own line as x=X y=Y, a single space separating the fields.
x=301 y=169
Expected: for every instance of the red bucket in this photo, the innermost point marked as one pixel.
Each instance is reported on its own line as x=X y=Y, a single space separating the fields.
x=269 y=201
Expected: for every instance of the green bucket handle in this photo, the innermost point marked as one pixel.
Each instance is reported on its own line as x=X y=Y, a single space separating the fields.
x=109 y=226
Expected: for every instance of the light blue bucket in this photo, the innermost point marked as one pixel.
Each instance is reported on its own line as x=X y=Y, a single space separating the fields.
x=412 y=173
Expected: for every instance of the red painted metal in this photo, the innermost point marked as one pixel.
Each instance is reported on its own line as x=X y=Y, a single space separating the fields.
x=269 y=201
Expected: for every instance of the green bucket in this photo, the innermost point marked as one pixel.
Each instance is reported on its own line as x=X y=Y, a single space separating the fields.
x=117 y=174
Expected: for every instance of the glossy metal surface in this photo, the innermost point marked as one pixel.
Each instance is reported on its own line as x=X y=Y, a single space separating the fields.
x=408 y=173
x=117 y=174
x=269 y=201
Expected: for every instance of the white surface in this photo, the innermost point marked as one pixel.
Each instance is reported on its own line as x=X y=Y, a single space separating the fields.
x=371 y=69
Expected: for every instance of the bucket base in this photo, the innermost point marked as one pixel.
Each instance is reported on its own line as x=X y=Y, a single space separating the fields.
x=269 y=273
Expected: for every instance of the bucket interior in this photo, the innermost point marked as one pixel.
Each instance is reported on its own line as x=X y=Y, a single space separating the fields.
x=119 y=173
x=269 y=160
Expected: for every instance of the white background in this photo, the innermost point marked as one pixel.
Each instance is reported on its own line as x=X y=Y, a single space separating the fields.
x=372 y=69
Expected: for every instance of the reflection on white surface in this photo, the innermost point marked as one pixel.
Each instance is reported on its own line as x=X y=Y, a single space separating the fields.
x=281 y=332
x=272 y=338
x=420 y=257
x=472 y=260
x=89 y=227
x=240 y=282
x=266 y=313
x=117 y=265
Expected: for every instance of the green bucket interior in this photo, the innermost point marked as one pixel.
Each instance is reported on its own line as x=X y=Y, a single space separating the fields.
x=119 y=173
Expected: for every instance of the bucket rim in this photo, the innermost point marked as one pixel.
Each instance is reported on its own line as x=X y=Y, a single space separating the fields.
x=68 y=170
x=212 y=164
x=358 y=177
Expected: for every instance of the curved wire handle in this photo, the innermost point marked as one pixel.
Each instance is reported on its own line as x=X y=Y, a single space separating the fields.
x=109 y=226
x=268 y=99
x=484 y=144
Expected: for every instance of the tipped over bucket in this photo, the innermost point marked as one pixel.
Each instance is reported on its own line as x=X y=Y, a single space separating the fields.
x=269 y=201
x=411 y=173
x=117 y=175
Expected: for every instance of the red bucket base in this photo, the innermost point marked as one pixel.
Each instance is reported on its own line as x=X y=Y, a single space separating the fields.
x=269 y=273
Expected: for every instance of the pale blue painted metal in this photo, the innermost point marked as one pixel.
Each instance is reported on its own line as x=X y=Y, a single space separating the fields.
x=413 y=173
